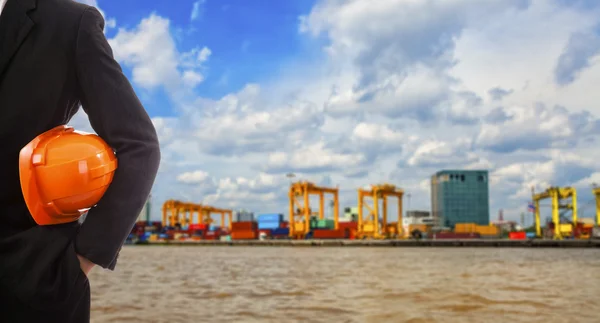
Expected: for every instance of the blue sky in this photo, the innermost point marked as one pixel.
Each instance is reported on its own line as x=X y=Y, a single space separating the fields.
x=353 y=92
x=249 y=43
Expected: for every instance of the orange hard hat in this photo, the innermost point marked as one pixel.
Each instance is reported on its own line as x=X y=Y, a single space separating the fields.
x=64 y=173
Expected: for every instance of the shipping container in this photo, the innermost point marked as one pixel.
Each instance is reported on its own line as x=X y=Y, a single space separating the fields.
x=455 y=235
x=244 y=226
x=520 y=235
x=244 y=217
x=197 y=226
x=268 y=225
x=465 y=227
x=280 y=232
x=348 y=225
x=331 y=234
x=491 y=230
x=323 y=224
x=244 y=235
x=269 y=217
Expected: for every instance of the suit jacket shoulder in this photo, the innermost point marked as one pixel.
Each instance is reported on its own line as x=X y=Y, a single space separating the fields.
x=63 y=17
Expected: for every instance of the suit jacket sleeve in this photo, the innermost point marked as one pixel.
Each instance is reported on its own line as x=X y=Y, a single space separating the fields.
x=118 y=117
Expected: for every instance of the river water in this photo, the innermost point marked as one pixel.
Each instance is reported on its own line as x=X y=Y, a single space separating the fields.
x=286 y=284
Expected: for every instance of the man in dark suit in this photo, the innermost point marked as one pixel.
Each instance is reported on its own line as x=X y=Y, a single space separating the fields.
x=54 y=57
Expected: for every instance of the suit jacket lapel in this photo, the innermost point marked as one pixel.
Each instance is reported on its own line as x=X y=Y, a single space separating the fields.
x=15 y=25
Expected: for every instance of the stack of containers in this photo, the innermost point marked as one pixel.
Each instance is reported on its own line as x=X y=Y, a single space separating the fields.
x=485 y=231
x=212 y=235
x=349 y=222
x=488 y=231
x=325 y=229
x=455 y=235
x=197 y=230
x=268 y=222
x=283 y=232
x=349 y=228
x=244 y=216
x=146 y=236
x=246 y=230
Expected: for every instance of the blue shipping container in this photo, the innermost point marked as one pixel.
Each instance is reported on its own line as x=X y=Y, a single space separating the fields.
x=530 y=235
x=268 y=225
x=281 y=232
x=270 y=217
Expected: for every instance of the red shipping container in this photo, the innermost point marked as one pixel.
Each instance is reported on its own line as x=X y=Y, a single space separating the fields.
x=348 y=225
x=517 y=235
x=454 y=235
x=330 y=234
x=197 y=226
x=244 y=235
x=284 y=224
x=244 y=226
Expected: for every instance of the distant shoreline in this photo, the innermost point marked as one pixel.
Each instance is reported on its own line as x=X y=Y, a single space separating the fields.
x=505 y=243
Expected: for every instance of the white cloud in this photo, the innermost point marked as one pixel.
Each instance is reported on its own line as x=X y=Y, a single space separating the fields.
x=151 y=52
x=197 y=9
x=405 y=88
x=194 y=177
x=312 y=158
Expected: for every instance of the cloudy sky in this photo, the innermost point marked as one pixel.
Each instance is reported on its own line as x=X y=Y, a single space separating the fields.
x=355 y=92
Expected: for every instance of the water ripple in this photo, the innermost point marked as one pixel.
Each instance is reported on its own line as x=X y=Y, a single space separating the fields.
x=223 y=284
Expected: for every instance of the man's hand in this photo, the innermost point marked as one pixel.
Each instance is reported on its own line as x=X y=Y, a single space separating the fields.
x=86 y=265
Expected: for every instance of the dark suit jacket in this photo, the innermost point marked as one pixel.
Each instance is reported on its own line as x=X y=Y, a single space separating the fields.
x=54 y=58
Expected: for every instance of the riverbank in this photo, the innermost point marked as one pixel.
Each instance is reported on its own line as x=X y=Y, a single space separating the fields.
x=505 y=243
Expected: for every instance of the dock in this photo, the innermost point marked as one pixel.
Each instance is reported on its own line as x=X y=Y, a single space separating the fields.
x=501 y=243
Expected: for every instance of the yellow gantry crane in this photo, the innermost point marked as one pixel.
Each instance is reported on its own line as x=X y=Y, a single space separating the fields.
x=300 y=211
x=596 y=192
x=369 y=226
x=557 y=195
x=207 y=211
x=177 y=212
